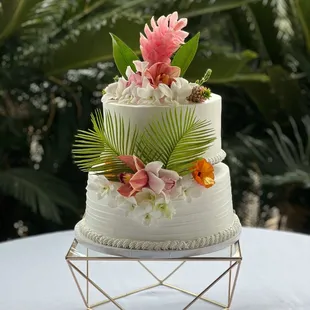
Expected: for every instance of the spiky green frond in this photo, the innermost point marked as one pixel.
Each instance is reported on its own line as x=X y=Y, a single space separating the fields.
x=177 y=140
x=89 y=145
x=98 y=149
x=119 y=140
x=282 y=159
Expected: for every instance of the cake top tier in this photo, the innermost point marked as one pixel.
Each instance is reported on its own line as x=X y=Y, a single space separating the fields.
x=158 y=79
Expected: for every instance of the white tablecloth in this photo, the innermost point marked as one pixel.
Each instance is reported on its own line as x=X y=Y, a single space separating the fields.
x=274 y=275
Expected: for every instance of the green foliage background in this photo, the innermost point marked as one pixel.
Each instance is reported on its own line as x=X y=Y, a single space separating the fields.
x=56 y=57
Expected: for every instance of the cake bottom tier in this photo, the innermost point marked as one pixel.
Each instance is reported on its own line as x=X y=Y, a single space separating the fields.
x=205 y=221
x=230 y=233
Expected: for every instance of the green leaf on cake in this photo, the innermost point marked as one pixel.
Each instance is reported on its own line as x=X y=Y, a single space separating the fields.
x=177 y=140
x=89 y=145
x=186 y=53
x=123 y=55
x=98 y=149
x=119 y=140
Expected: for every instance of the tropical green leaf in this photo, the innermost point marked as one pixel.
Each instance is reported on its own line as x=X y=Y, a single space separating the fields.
x=186 y=53
x=177 y=140
x=89 y=47
x=123 y=55
x=246 y=36
x=12 y=14
x=98 y=149
x=118 y=140
x=282 y=159
x=279 y=94
x=265 y=14
x=89 y=145
x=225 y=66
x=42 y=192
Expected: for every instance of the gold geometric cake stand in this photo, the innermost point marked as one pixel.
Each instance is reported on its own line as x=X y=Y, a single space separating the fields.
x=81 y=260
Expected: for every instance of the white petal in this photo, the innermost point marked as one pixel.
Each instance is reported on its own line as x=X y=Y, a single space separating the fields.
x=155 y=183
x=158 y=94
x=111 y=88
x=169 y=174
x=141 y=66
x=145 y=82
x=154 y=167
x=145 y=205
x=146 y=92
x=187 y=181
x=165 y=90
x=156 y=214
x=129 y=71
x=160 y=200
x=102 y=179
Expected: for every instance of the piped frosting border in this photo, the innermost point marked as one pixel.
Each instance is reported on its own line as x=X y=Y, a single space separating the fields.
x=222 y=236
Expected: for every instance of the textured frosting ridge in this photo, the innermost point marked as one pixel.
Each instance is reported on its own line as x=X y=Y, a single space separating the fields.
x=202 y=217
x=219 y=237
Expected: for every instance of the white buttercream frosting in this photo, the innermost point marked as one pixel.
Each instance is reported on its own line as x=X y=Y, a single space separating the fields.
x=228 y=234
x=142 y=115
x=205 y=215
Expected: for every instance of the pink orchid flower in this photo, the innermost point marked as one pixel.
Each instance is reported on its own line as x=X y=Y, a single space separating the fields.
x=138 y=76
x=151 y=175
x=165 y=39
x=160 y=72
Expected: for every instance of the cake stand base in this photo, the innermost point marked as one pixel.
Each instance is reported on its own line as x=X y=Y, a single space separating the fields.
x=89 y=268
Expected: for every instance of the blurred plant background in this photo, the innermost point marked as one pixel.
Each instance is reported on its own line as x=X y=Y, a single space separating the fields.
x=56 y=57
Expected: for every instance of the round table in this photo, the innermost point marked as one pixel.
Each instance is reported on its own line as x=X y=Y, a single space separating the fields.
x=274 y=274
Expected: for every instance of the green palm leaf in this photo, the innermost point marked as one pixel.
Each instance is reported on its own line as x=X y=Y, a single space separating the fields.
x=177 y=140
x=89 y=145
x=42 y=192
x=118 y=141
x=98 y=149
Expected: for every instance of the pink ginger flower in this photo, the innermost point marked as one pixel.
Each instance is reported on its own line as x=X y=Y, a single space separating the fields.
x=161 y=72
x=165 y=39
x=151 y=175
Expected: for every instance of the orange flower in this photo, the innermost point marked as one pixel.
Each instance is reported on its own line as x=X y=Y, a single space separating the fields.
x=203 y=173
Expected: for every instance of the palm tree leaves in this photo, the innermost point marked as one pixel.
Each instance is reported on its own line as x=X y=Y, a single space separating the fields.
x=178 y=139
x=283 y=158
x=42 y=192
x=14 y=12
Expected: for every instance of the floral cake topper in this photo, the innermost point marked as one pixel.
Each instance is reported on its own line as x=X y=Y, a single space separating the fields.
x=158 y=79
x=164 y=163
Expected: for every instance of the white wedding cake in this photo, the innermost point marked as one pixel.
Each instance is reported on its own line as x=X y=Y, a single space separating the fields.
x=156 y=180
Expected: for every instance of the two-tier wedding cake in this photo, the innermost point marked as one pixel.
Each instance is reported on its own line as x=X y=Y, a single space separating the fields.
x=156 y=180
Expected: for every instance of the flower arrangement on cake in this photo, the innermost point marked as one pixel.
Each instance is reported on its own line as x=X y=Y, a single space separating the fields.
x=157 y=79
x=146 y=173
